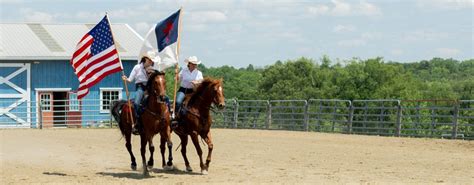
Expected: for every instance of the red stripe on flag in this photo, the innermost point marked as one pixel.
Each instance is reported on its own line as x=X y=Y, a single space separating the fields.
x=85 y=76
x=96 y=61
x=87 y=86
x=112 y=71
x=84 y=88
x=80 y=60
x=78 y=51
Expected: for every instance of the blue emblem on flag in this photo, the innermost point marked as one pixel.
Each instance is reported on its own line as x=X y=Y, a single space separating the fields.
x=167 y=31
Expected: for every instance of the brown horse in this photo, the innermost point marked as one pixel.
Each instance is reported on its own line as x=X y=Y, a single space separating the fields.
x=195 y=119
x=155 y=119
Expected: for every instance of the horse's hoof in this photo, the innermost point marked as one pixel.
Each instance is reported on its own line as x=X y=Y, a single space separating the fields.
x=189 y=169
x=204 y=172
x=133 y=166
x=150 y=163
x=169 y=163
x=168 y=168
x=150 y=167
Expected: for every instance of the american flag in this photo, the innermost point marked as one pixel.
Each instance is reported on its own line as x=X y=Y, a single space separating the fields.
x=95 y=57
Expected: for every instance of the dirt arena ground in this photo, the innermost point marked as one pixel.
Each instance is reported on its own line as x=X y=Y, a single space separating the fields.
x=98 y=156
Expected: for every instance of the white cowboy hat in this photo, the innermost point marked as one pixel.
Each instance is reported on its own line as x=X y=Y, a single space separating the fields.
x=149 y=54
x=192 y=60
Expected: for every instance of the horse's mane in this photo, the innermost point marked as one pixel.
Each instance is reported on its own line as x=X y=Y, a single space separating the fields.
x=200 y=89
x=149 y=84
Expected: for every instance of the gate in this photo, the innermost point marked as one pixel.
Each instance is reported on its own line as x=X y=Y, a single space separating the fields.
x=329 y=115
x=15 y=93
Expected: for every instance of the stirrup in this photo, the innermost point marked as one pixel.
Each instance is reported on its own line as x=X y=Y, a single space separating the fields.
x=135 y=131
x=136 y=128
x=174 y=124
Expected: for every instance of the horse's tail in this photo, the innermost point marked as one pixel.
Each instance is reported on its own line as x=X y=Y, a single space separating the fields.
x=116 y=110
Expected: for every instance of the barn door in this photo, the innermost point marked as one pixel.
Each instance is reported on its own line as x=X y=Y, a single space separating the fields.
x=15 y=95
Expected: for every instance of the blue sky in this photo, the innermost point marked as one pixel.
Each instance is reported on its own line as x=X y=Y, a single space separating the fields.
x=260 y=32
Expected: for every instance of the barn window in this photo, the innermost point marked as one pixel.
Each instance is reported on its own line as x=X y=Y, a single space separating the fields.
x=45 y=100
x=73 y=102
x=107 y=96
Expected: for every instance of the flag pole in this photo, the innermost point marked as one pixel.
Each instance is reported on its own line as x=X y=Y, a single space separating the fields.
x=123 y=73
x=177 y=64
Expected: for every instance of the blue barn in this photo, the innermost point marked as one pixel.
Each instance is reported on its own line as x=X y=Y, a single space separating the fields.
x=38 y=85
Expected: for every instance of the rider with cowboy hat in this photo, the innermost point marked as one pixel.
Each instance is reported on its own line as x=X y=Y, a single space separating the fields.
x=189 y=78
x=139 y=75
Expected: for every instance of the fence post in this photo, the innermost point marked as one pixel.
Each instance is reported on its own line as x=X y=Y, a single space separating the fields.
x=40 y=115
x=306 y=107
x=236 y=113
x=110 y=115
x=333 y=125
x=351 y=116
x=399 y=119
x=455 y=120
x=269 y=116
x=318 y=127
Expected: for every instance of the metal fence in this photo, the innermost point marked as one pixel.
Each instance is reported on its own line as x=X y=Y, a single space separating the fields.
x=411 y=118
x=57 y=114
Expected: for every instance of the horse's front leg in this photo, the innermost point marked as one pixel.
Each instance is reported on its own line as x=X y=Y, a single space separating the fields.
x=151 y=147
x=162 y=150
x=210 y=147
x=143 y=141
x=170 y=153
x=194 y=138
x=167 y=134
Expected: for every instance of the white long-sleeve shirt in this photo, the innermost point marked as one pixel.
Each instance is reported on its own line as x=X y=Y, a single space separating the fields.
x=187 y=77
x=138 y=74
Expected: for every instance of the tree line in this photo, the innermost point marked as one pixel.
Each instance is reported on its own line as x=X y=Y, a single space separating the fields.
x=374 y=78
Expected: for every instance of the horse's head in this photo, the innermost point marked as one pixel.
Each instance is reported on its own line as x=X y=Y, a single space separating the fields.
x=157 y=85
x=218 y=92
x=210 y=91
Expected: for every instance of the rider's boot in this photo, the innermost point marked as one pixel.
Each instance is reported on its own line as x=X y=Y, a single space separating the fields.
x=136 y=128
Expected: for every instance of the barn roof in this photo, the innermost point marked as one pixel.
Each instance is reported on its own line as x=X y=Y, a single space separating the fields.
x=34 y=41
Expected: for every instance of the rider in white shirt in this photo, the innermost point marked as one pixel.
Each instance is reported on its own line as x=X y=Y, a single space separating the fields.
x=189 y=77
x=139 y=75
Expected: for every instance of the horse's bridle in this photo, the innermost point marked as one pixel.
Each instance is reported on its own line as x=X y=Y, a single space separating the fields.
x=159 y=99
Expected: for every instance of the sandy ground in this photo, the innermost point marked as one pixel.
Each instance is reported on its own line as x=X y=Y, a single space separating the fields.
x=98 y=156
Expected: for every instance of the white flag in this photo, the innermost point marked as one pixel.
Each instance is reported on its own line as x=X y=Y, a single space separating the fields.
x=162 y=39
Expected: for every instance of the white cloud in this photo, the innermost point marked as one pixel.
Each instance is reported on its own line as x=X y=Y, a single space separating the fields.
x=12 y=1
x=342 y=8
x=318 y=10
x=445 y=4
x=207 y=16
x=448 y=52
x=344 y=29
x=197 y=27
x=368 y=9
x=396 y=52
x=424 y=35
x=89 y=16
x=142 y=27
x=364 y=38
x=352 y=43
x=126 y=13
x=31 y=15
x=372 y=36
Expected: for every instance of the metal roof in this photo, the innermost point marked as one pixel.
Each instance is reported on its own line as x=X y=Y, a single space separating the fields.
x=34 y=41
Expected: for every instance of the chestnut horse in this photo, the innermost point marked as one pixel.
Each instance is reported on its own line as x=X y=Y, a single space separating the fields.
x=194 y=119
x=155 y=119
